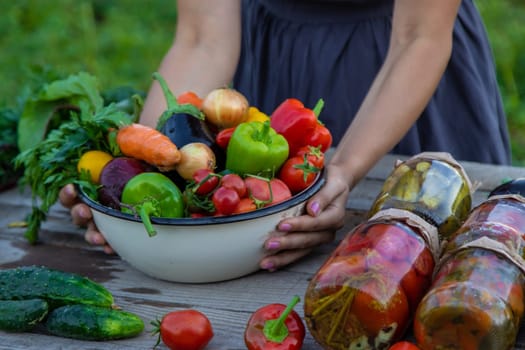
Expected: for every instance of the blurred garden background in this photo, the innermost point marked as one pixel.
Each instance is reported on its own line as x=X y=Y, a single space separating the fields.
x=122 y=41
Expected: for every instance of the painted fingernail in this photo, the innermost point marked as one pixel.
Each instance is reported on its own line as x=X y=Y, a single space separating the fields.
x=268 y=266
x=83 y=213
x=285 y=227
x=273 y=245
x=70 y=191
x=315 y=208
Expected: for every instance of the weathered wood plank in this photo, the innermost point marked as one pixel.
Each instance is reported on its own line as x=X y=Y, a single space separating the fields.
x=228 y=304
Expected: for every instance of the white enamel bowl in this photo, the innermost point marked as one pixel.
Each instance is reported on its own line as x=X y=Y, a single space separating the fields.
x=196 y=250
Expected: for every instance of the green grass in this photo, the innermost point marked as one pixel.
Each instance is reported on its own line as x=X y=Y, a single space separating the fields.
x=122 y=41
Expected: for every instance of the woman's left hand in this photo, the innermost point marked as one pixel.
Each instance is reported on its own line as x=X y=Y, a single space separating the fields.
x=297 y=236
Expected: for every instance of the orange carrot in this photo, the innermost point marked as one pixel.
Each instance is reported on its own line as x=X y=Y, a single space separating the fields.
x=149 y=145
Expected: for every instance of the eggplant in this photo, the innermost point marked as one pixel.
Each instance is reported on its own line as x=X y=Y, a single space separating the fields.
x=185 y=123
x=513 y=186
x=183 y=129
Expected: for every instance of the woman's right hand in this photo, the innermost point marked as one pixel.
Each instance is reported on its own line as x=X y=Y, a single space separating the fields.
x=82 y=216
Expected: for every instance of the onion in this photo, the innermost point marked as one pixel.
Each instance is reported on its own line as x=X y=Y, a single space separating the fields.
x=225 y=107
x=195 y=156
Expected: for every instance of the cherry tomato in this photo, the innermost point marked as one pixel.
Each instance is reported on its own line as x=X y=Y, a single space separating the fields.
x=298 y=173
x=205 y=181
x=245 y=205
x=314 y=155
x=225 y=200
x=235 y=182
x=403 y=345
x=185 y=330
x=259 y=190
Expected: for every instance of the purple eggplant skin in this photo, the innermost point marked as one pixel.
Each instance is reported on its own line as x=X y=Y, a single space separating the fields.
x=184 y=128
x=513 y=187
x=114 y=177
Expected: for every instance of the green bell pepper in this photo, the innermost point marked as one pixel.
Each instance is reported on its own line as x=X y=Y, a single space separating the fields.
x=255 y=148
x=152 y=194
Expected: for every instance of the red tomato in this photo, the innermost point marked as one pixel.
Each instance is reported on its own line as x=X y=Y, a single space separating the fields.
x=314 y=155
x=225 y=200
x=185 y=330
x=321 y=136
x=403 y=345
x=205 y=181
x=379 y=303
x=424 y=263
x=398 y=244
x=259 y=190
x=336 y=272
x=235 y=182
x=245 y=205
x=298 y=173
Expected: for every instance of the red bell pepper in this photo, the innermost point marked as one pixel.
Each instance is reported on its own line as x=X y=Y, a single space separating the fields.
x=299 y=124
x=223 y=137
x=321 y=137
x=275 y=327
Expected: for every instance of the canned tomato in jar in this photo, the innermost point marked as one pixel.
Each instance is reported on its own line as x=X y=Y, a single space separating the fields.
x=364 y=295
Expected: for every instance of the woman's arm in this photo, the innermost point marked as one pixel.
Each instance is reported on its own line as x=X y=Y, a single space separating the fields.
x=204 y=53
x=420 y=48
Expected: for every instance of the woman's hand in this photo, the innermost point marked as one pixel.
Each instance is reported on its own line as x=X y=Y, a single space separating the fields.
x=298 y=236
x=81 y=215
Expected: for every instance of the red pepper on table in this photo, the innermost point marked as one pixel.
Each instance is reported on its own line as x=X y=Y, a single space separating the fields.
x=299 y=124
x=275 y=327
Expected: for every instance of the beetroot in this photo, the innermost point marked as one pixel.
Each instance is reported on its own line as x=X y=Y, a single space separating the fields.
x=114 y=177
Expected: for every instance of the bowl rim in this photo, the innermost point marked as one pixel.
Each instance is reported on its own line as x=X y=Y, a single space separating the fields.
x=211 y=220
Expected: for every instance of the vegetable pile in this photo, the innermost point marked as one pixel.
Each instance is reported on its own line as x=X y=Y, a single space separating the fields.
x=66 y=304
x=209 y=156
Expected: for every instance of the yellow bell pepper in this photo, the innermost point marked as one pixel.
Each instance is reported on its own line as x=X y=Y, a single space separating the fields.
x=255 y=115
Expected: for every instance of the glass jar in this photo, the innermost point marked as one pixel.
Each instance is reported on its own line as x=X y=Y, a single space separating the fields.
x=476 y=300
x=364 y=295
x=431 y=185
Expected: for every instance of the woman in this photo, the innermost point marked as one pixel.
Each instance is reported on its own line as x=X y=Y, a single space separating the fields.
x=401 y=76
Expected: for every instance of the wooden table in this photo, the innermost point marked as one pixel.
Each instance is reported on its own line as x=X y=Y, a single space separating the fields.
x=227 y=304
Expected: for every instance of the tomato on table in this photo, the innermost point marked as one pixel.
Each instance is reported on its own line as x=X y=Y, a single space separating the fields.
x=404 y=345
x=184 y=330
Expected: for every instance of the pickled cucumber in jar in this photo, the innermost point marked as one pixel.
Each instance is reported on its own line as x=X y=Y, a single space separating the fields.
x=364 y=295
x=431 y=185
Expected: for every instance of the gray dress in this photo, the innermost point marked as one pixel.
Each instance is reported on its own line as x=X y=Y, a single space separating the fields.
x=311 y=49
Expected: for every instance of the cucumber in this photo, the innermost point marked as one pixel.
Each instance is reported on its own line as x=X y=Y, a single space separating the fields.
x=22 y=315
x=58 y=288
x=88 y=322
